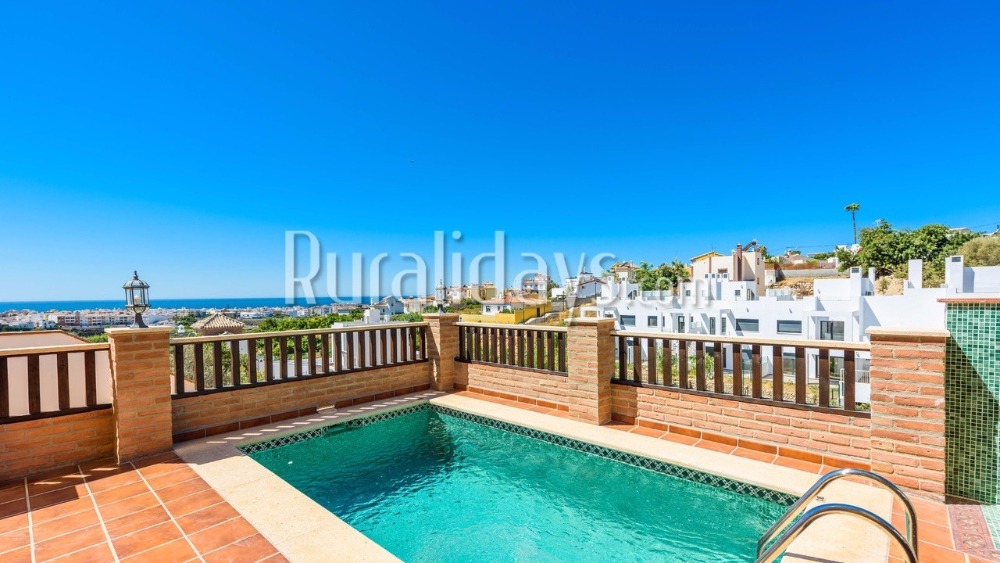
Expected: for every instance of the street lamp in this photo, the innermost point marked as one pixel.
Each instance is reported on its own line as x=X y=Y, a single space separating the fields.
x=136 y=299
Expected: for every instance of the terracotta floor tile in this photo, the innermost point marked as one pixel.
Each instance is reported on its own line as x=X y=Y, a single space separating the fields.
x=61 y=510
x=147 y=539
x=643 y=431
x=253 y=548
x=937 y=535
x=15 y=539
x=798 y=464
x=178 y=550
x=110 y=479
x=145 y=464
x=276 y=558
x=937 y=554
x=59 y=496
x=615 y=425
x=120 y=493
x=680 y=439
x=11 y=523
x=183 y=489
x=210 y=539
x=93 y=554
x=165 y=480
x=136 y=521
x=715 y=446
x=755 y=455
x=933 y=512
x=54 y=480
x=13 y=508
x=207 y=517
x=69 y=543
x=65 y=525
x=22 y=555
x=12 y=491
x=128 y=506
x=186 y=505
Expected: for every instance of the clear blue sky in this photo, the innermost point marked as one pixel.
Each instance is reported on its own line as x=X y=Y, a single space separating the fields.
x=184 y=139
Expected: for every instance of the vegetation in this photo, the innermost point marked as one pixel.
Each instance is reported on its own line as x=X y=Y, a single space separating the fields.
x=981 y=251
x=853 y=208
x=408 y=318
x=663 y=277
x=274 y=324
x=97 y=338
x=186 y=319
x=888 y=250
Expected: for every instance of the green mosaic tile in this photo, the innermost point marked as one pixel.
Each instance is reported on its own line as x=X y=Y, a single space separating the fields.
x=992 y=514
x=972 y=396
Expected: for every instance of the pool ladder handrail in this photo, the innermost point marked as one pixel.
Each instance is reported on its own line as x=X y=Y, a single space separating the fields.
x=817 y=488
x=814 y=514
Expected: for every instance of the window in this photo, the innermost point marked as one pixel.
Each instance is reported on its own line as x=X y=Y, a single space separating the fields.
x=748 y=325
x=687 y=293
x=737 y=293
x=711 y=325
x=723 y=326
x=831 y=330
x=680 y=324
x=789 y=327
x=628 y=320
x=651 y=320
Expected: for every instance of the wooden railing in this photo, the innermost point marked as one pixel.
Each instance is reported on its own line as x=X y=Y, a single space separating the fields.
x=530 y=347
x=211 y=364
x=53 y=381
x=716 y=365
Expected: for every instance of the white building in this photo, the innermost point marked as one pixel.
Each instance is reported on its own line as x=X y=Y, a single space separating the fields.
x=538 y=283
x=839 y=309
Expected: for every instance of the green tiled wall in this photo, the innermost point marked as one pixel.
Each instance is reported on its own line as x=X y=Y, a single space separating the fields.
x=972 y=389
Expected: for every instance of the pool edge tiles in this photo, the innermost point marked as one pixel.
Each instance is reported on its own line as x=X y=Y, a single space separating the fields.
x=304 y=531
x=634 y=460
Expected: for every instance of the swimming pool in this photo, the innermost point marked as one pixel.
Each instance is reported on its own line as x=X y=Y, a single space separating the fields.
x=430 y=483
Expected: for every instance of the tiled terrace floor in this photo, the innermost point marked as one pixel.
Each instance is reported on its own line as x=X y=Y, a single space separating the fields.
x=156 y=509
x=947 y=532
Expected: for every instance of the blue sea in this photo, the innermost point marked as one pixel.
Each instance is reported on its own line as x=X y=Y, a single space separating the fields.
x=190 y=303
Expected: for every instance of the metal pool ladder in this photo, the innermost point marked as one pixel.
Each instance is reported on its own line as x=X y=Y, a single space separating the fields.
x=908 y=543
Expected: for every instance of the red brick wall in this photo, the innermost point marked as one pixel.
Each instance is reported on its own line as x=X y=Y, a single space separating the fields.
x=35 y=446
x=832 y=439
x=545 y=389
x=223 y=411
x=908 y=409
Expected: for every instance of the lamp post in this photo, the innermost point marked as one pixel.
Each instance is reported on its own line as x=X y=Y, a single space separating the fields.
x=136 y=299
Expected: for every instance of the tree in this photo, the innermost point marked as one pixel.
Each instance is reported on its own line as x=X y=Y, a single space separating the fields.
x=664 y=276
x=982 y=251
x=888 y=250
x=853 y=208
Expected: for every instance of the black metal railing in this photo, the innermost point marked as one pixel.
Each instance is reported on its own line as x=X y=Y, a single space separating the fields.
x=210 y=364
x=541 y=348
x=52 y=381
x=818 y=374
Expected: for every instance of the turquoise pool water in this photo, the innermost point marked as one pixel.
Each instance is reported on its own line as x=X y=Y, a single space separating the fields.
x=428 y=486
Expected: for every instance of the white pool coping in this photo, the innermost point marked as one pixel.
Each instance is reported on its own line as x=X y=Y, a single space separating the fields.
x=305 y=531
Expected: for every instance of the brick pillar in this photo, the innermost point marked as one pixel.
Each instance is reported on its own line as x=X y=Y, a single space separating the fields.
x=442 y=348
x=908 y=408
x=140 y=383
x=590 y=363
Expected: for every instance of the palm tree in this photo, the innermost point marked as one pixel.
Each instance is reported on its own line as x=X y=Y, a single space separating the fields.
x=853 y=208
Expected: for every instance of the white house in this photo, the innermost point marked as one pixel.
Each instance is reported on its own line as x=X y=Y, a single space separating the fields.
x=538 y=283
x=839 y=309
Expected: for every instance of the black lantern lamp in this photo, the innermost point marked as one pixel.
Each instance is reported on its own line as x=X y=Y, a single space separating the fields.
x=136 y=299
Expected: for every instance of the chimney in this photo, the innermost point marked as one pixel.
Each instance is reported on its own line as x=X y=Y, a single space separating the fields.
x=739 y=262
x=915 y=273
